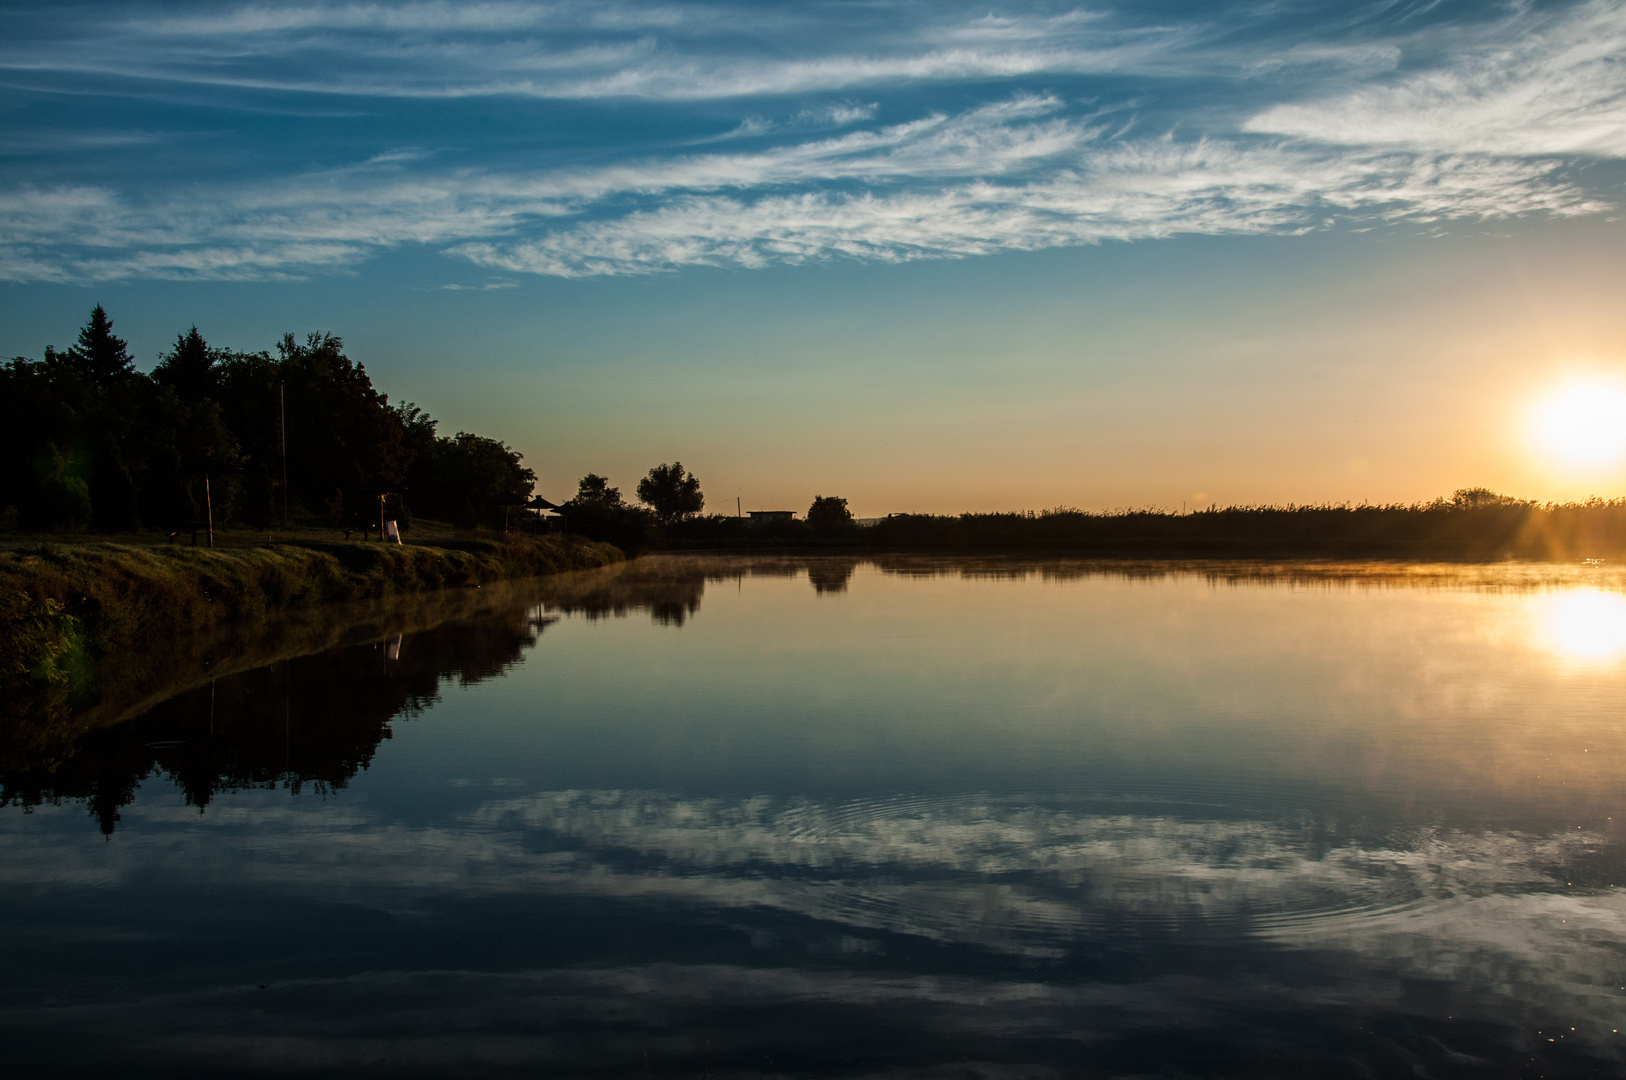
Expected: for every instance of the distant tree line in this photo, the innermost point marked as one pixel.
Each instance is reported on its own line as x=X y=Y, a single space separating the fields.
x=89 y=442
x=671 y=516
x=1473 y=524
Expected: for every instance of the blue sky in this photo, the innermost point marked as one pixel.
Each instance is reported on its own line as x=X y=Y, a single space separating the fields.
x=929 y=256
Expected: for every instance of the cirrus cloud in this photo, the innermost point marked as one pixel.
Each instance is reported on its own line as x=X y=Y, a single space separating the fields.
x=1082 y=126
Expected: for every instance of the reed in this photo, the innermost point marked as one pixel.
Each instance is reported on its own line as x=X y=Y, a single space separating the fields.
x=1467 y=527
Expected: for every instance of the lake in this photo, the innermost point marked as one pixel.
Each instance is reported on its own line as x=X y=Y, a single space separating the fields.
x=717 y=816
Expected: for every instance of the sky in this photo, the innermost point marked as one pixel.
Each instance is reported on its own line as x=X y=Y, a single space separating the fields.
x=924 y=256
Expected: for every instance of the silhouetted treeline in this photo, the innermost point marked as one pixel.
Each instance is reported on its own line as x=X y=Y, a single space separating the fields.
x=1472 y=524
x=89 y=442
x=316 y=720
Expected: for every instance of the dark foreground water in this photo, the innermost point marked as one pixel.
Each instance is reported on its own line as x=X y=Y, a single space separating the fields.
x=723 y=818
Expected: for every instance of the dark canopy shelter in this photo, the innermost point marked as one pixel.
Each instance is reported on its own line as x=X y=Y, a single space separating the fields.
x=508 y=502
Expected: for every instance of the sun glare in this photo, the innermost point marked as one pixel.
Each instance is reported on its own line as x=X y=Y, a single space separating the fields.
x=1582 y=424
x=1584 y=626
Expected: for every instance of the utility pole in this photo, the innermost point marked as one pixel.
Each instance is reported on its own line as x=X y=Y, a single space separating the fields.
x=282 y=424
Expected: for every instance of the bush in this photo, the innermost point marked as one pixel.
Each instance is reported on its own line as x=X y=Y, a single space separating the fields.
x=40 y=643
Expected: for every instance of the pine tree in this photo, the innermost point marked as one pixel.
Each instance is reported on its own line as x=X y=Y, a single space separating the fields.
x=101 y=356
x=189 y=367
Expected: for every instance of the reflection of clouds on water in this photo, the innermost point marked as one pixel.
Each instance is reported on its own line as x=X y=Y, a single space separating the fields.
x=1306 y=919
x=1488 y=910
x=1038 y=881
x=1306 y=811
x=1048 y=872
x=605 y=1020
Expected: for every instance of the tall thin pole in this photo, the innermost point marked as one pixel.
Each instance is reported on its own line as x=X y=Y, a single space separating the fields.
x=209 y=505
x=282 y=423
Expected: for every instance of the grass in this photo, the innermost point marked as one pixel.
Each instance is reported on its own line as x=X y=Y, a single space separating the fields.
x=70 y=605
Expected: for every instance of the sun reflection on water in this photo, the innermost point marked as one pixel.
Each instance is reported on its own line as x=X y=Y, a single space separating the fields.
x=1584 y=625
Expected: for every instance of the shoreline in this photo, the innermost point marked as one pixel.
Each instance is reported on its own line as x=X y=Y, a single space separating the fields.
x=68 y=609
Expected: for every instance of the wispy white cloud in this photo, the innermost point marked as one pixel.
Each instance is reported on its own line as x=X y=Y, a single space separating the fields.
x=838 y=115
x=1415 y=134
x=835 y=115
x=1547 y=86
x=756 y=209
x=337 y=216
x=1137 y=194
x=439 y=17
x=681 y=52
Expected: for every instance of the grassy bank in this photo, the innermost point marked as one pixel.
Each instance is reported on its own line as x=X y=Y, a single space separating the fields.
x=67 y=608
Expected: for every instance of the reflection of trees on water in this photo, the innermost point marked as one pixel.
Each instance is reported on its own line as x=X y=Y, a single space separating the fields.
x=316 y=720
x=670 y=593
x=831 y=575
x=670 y=587
x=1370 y=573
x=310 y=722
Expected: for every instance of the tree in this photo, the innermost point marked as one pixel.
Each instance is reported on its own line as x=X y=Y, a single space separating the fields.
x=483 y=475
x=45 y=409
x=829 y=515
x=340 y=430
x=417 y=429
x=598 y=513
x=595 y=490
x=100 y=356
x=86 y=440
x=672 y=493
x=463 y=479
x=188 y=369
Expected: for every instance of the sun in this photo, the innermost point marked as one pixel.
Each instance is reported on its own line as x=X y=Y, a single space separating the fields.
x=1581 y=424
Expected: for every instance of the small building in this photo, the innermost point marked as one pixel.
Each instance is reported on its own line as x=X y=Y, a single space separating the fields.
x=764 y=517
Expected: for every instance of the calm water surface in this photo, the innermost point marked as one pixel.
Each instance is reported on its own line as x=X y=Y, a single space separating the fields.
x=821 y=817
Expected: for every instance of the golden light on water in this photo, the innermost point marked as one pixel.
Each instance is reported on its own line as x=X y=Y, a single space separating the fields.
x=1585 y=625
x=1582 y=423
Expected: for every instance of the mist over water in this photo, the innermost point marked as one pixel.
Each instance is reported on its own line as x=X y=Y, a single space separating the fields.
x=834 y=817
